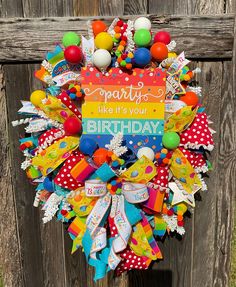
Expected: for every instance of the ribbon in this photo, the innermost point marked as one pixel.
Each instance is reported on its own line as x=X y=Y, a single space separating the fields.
x=123 y=228
x=124 y=214
x=135 y=192
x=50 y=158
x=95 y=188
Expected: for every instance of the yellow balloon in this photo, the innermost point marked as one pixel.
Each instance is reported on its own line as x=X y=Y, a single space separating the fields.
x=104 y=41
x=36 y=97
x=172 y=55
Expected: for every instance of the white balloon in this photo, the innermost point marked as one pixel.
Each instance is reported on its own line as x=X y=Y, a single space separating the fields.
x=101 y=59
x=146 y=151
x=142 y=23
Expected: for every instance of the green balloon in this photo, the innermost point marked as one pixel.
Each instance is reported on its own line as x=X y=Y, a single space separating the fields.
x=170 y=140
x=142 y=37
x=70 y=39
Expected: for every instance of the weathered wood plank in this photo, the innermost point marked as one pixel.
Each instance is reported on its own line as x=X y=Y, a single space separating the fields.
x=204 y=226
x=226 y=189
x=17 y=88
x=135 y=7
x=50 y=234
x=85 y=8
x=45 y=8
x=114 y=7
x=11 y=8
x=29 y=39
x=10 y=264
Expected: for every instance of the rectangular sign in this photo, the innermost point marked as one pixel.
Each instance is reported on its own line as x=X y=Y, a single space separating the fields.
x=131 y=103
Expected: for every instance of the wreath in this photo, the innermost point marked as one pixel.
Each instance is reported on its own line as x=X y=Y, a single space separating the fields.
x=116 y=141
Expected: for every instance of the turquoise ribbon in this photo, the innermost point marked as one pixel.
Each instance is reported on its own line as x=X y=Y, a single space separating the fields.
x=100 y=264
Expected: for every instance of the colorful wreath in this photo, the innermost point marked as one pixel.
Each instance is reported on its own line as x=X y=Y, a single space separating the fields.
x=116 y=141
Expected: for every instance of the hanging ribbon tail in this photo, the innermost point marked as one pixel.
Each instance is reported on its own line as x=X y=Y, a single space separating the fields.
x=151 y=240
x=95 y=240
x=123 y=228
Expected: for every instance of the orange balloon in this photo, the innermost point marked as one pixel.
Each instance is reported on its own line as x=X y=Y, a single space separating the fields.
x=190 y=99
x=159 y=51
x=98 y=27
x=101 y=156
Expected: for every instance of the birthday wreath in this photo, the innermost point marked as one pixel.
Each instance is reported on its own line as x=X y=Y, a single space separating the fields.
x=116 y=141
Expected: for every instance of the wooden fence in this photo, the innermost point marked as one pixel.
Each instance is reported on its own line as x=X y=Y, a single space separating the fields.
x=34 y=254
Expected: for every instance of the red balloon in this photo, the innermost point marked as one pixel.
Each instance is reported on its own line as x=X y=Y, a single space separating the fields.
x=159 y=51
x=73 y=54
x=72 y=126
x=190 y=99
x=163 y=37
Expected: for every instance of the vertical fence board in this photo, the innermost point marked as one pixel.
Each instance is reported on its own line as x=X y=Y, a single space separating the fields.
x=135 y=7
x=17 y=87
x=109 y=8
x=44 y=250
x=204 y=233
x=10 y=265
x=86 y=8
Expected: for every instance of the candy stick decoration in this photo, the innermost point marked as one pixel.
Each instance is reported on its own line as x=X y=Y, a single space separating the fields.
x=112 y=26
x=167 y=62
x=51 y=207
x=37 y=198
x=90 y=29
x=25 y=164
x=171 y=46
x=130 y=43
x=47 y=66
x=21 y=122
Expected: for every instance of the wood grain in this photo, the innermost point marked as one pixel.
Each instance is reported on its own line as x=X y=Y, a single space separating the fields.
x=27 y=216
x=10 y=264
x=39 y=255
x=227 y=170
x=204 y=226
x=109 y=8
x=45 y=8
x=29 y=39
x=85 y=8
x=135 y=7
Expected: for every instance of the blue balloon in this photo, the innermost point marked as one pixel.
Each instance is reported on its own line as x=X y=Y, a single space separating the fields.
x=48 y=184
x=142 y=57
x=87 y=146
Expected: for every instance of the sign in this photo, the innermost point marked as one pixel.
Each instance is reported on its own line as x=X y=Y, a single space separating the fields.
x=121 y=102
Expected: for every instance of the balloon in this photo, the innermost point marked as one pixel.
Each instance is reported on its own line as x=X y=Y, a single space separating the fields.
x=159 y=51
x=98 y=27
x=146 y=151
x=170 y=140
x=72 y=126
x=87 y=146
x=73 y=54
x=48 y=184
x=172 y=55
x=70 y=39
x=142 y=37
x=104 y=41
x=36 y=97
x=190 y=98
x=142 y=23
x=101 y=59
x=142 y=57
x=101 y=156
x=163 y=37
